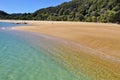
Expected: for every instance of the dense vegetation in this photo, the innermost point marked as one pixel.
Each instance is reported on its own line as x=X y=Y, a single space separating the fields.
x=75 y=10
x=2 y=14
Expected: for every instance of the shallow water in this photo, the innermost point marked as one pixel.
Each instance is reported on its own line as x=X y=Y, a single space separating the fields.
x=19 y=60
x=32 y=56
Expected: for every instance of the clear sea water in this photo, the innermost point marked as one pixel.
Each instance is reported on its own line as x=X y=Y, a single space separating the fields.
x=20 y=60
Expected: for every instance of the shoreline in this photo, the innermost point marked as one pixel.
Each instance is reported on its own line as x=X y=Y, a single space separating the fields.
x=35 y=22
x=92 y=48
x=102 y=37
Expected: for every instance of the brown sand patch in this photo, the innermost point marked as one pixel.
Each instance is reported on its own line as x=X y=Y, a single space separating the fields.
x=98 y=36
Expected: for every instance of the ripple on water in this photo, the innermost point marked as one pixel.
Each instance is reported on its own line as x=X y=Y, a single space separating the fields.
x=80 y=60
x=21 y=61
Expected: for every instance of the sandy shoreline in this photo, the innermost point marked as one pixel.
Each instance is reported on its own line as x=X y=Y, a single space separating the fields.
x=90 y=38
x=99 y=36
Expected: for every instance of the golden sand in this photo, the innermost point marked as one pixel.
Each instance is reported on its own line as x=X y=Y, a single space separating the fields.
x=102 y=38
x=99 y=36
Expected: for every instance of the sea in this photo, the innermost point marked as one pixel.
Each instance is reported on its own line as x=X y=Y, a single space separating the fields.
x=30 y=56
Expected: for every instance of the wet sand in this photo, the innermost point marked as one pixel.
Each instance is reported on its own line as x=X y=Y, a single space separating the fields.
x=101 y=37
x=99 y=51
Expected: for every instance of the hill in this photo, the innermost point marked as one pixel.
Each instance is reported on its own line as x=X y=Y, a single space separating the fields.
x=2 y=14
x=77 y=10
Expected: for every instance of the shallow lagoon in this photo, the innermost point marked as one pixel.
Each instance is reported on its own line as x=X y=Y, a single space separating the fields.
x=19 y=60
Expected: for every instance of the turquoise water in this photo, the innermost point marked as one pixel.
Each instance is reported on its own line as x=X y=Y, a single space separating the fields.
x=6 y=24
x=19 y=60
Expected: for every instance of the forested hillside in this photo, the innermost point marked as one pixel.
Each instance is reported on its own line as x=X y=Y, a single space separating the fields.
x=76 y=10
x=2 y=14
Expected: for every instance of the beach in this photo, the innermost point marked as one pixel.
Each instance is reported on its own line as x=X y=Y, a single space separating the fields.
x=99 y=36
x=95 y=46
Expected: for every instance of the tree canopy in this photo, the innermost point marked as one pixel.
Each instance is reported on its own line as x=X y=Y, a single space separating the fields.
x=75 y=10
